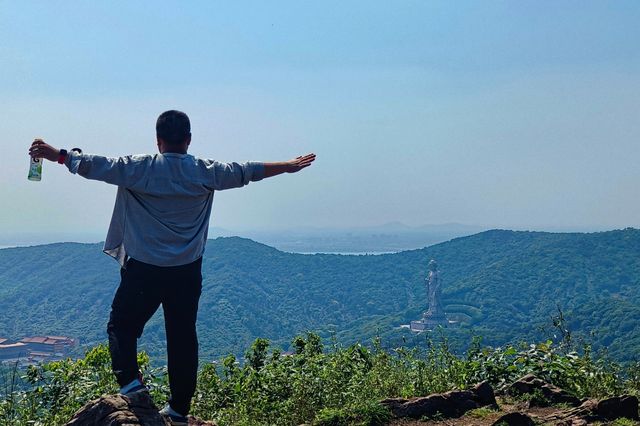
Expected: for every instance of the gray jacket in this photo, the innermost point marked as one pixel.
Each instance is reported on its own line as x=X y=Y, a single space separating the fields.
x=164 y=201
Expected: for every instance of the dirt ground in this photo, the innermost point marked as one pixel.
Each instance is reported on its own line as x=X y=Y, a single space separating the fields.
x=487 y=418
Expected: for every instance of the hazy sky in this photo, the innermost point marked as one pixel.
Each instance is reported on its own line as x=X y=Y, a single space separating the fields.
x=509 y=114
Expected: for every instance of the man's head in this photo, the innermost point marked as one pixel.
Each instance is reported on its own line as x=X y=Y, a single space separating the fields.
x=173 y=131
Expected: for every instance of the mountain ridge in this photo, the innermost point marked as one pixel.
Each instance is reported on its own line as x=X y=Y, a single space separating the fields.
x=504 y=285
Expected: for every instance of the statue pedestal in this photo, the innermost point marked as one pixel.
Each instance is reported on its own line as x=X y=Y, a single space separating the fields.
x=429 y=322
x=417 y=326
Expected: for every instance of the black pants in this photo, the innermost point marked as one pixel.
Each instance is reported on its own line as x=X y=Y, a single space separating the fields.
x=142 y=289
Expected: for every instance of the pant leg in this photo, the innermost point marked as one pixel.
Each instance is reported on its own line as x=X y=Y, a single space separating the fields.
x=136 y=300
x=180 y=307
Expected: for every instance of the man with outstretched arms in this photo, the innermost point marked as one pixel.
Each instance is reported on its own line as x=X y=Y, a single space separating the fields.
x=158 y=233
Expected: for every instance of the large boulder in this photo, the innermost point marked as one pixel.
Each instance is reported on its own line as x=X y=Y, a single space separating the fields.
x=448 y=404
x=533 y=386
x=625 y=406
x=120 y=410
x=593 y=410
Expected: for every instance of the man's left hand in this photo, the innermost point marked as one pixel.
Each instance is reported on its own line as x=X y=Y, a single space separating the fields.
x=300 y=163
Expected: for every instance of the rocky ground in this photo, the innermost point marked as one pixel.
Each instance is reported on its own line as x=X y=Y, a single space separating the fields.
x=489 y=417
x=119 y=410
x=526 y=402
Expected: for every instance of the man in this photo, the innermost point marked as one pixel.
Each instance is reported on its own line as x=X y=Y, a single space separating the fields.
x=158 y=233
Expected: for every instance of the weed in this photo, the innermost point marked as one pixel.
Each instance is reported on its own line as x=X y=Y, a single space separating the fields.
x=481 y=413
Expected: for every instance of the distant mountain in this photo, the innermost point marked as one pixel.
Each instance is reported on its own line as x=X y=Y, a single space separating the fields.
x=389 y=237
x=503 y=285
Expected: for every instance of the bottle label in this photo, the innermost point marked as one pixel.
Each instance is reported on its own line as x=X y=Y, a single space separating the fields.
x=35 y=169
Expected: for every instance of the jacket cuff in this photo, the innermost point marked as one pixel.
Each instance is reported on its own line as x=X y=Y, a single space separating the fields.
x=73 y=161
x=256 y=170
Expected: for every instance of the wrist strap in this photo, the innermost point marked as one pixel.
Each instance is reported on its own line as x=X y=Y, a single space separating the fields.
x=62 y=156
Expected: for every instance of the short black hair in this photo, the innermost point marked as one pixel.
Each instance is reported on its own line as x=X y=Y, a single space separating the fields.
x=173 y=127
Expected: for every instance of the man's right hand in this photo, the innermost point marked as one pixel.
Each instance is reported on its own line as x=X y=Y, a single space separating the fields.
x=40 y=149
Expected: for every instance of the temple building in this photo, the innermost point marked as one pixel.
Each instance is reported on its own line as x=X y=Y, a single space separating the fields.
x=49 y=344
x=36 y=349
x=12 y=351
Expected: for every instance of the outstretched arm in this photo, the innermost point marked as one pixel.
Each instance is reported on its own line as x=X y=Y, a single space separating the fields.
x=291 y=166
x=122 y=171
x=235 y=175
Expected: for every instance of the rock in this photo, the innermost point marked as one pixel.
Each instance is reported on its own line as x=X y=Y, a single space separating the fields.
x=115 y=410
x=449 y=404
x=194 y=421
x=514 y=419
x=573 y=422
x=486 y=397
x=529 y=384
x=575 y=417
x=120 y=410
x=592 y=410
x=618 y=407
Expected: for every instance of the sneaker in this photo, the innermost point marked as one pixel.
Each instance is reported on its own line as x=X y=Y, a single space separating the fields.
x=137 y=385
x=173 y=417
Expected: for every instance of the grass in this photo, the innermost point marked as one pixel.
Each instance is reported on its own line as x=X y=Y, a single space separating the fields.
x=481 y=413
x=624 y=422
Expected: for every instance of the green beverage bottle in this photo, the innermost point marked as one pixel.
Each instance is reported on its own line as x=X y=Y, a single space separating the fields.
x=35 y=169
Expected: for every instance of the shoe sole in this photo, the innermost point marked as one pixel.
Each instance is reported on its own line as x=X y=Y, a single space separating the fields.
x=174 y=422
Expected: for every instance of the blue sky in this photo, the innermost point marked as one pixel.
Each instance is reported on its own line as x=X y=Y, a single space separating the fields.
x=503 y=114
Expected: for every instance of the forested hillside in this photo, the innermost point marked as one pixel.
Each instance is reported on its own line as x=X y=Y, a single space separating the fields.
x=503 y=285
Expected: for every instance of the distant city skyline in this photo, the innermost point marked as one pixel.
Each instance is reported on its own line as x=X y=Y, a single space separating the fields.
x=514 y=115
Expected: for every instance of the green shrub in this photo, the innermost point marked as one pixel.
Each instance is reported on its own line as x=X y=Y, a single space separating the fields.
x=331 y=417
x=331 y=385
x=56 y=390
